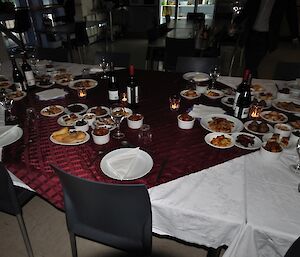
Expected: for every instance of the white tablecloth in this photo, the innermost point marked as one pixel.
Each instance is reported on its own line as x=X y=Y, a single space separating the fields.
x=249 y=204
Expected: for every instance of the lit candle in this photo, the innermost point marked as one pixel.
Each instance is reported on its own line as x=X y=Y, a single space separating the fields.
x=82 y=93
x=124 y=99
x=255 y=111
x=174 y=103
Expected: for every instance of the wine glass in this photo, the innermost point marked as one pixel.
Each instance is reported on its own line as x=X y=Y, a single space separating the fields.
x=297 y=170
x=214 y=74
x=118 y=115
x=104 y=65
x=7 y=104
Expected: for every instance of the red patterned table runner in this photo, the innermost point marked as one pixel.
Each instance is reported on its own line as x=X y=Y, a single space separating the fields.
x=185 y=150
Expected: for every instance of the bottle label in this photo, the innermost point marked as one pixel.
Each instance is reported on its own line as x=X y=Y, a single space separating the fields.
x=113 y=95
x=133 y=95
x=237 y=94
x=29 y=78
x=241 y=112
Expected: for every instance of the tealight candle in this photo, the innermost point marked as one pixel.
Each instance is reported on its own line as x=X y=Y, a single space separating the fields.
x=255 y=111
x=82 y=93
x=174 y=101
x=124 y=99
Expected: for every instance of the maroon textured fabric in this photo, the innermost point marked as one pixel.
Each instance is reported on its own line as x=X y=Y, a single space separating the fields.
x=185 y=150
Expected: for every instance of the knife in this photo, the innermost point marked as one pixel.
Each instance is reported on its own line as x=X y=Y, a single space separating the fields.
x=161 y=170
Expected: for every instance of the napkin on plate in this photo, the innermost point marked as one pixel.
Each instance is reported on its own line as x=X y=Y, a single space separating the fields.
x=51 y=94
x=200 y=110
x=4 y=130
x=121 y=164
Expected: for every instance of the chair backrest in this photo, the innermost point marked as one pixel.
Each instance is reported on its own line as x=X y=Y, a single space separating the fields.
x=119 y=59
x=201 y=64
x=22 y=21
x=53 y=54
x=287 y=71
x=81 y=36
x=177 y=47
x=8 y=198
x=117 y=215
x=294 y=250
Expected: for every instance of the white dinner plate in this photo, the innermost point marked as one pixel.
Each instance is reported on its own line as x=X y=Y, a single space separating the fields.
x=11 y=136
x=63 y=78
x=196 y=76
x=218 y=93
x=276 y=101
x=246 y=125
x=237 y=124
x=44 y=111
x=209 y=137
x=225 y=101
x=257 y=143
x=63 y=123
x=92 y=110
x=283 y=118
x=50 y=84
x=84 y=108
x=91 y=83
x=104 y=122
x=5 y=84
x=87 y=138
x=12 y=95
x=183 y=94
x=142 y=166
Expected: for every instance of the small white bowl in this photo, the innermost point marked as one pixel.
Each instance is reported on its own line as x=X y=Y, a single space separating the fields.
x=185 y=124
x=89 y=118
x=267 y=155
x=135 y=121
x=201 y=88
x=284 y=130
x=84 y=127
x=295 y=135
x=103 y=138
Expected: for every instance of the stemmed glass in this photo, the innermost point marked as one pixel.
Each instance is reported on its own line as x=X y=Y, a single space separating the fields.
x=297 y=170
x=118 y=115
x=7 y=105
x=104 y=65
x=214 y=74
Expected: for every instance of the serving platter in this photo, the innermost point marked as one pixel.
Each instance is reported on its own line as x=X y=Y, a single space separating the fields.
x=87 y=138
x=196 y=76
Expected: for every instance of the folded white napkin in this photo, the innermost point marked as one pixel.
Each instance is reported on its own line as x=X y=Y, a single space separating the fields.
x=4 y=130
x=121 y=164
x=200 y=110
x=51 y=94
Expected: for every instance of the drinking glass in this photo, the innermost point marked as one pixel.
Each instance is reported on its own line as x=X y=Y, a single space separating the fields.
x=118 y=115
x=214 y=74
x=104 y=65
x=7 y=105
x=85 y=73
x=297 y=170
x=145 y=134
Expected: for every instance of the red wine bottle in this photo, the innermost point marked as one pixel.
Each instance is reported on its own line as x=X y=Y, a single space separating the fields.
x=18 y=77
x=241 y=87
x=132 y=89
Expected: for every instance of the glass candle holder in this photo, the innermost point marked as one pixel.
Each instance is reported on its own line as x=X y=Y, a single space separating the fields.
x=255 y=110
x=174 y=102
x=82 y=92
x=124 y=99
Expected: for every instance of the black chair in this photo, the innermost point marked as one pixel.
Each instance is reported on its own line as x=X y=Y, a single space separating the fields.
x=119 y=59
x=287 y=71
x=112 y=214
x=177 y=47
x=12 y=199
x=202 y=64
x=22 y=23
x=53 y=54
x=294 y=250
x=81 y=39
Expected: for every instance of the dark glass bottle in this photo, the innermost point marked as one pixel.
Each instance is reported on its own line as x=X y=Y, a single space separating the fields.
x=132 y=89
x=243 y=103
x=241 y=87
x=18 y=77
x=113 y=87
x=28 y=73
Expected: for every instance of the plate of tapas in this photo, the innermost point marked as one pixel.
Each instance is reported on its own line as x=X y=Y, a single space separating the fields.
x=63 y=78
x=219 y=140
x=68 y=120
x=288 y=105
x=77 y=108
x=16 y=95
x=274 y=117
x=221 y=123
x=214 y=94
x=86 y=83
x=190 y=94
x=100 y=111
x=228 y=101
x=258 y=127
x=52 y=110
x=66 y=136
x=247 y=141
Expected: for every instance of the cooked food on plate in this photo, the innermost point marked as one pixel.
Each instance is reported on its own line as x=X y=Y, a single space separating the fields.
x=221 y=141
x=257 y=87
x=15 y=94
x=273 y=147
x=75 y=108
x=63 y=77
x=186 y=117
x=295 y=124
x=218 y=124
x=282 y=141
x=212 y=93
x=190 y=93
x=288 y=106
x=99 y=111
x=265 y=96
x=245 y=140
x=273 y=116
x=261 y=127
x=84 y=83
x=51 y=110
x=65 y=135
x=5 y=84
x=70 y=119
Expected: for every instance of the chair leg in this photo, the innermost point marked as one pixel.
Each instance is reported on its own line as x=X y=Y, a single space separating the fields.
x=73 y=244
x=25 y=235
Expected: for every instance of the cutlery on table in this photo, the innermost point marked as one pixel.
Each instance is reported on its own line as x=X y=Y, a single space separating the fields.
x=100 y=152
